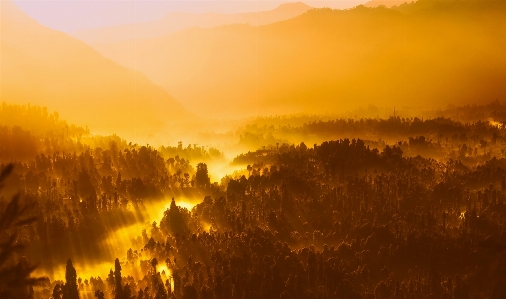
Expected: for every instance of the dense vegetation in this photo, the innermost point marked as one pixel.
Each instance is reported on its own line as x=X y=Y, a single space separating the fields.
x=416 y=212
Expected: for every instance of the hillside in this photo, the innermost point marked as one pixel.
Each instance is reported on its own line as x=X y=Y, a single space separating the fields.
x=48 y=68
x=387 y=3
x=435 y=52
x=179 y=21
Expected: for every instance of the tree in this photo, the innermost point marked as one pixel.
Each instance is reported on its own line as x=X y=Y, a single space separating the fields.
x=15 y=280
x=70 y=289
x=186 y=180
x=173 y=220
x=483 y=143
x=85 y=186
x=189 y=292
x=202 y=176
x=118 y=290
x=171 y=161
x=154 y=263
x=110 y=279
x=127 y=292
x=99 y=294
x=158 y=287
x=382 y=290
x=58 y=291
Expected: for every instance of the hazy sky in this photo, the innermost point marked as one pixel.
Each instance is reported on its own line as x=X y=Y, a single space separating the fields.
x=71 y=15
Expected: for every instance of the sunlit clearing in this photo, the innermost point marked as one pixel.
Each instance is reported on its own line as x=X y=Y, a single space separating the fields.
x=219 y=170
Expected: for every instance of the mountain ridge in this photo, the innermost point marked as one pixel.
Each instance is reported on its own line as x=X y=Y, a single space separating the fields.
x=178 y=21
x=326 y=60
x=49 y=68
x=386 y=3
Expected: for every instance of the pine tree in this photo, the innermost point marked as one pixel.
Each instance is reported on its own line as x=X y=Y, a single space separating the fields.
x=70 y=289
x=99 y=294
x=118 y=291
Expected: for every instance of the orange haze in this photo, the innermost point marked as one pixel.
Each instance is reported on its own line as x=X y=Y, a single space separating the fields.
x=48 y=68
x=435 y=52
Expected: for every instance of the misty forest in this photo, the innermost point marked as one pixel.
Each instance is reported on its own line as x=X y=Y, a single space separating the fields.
x=297 y=151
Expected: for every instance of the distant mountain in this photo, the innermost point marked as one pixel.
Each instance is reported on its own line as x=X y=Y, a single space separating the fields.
x=48 y=68
x=387 y=3
x=178 y=21
x=428 y=53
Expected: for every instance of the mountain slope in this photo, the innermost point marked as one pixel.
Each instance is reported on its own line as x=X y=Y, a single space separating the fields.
x=48 y=68
x=179 y=21
x=387 y=3
x=329 y=61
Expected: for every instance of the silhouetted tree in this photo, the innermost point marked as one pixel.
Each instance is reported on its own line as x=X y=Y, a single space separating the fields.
x=118 y=287
x=202 y=176
x=57 y=291
x=99 y=294
x=70 y=289
x=15 y=280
